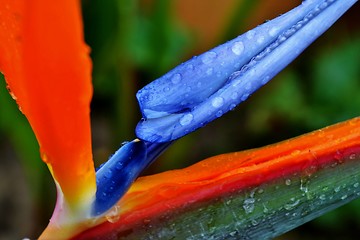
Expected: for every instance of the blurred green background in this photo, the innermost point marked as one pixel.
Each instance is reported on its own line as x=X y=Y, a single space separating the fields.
x=135 y=41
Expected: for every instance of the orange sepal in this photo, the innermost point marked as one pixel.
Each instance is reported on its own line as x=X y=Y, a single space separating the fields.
x=165 y=193
x=48 y=70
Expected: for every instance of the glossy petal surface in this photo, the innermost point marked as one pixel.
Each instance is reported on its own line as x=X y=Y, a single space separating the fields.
x=47 y=68
x=207 y=86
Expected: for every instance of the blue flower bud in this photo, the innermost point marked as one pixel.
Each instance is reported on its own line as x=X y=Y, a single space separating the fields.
x=207 y=86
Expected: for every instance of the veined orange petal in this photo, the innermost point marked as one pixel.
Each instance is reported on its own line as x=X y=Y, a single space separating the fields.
x=165 y=193
x=48 y=70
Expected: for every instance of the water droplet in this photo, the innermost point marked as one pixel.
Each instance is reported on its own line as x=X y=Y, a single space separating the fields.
x=119 y=166
x=166 y=89
x=265 y=209
x=356 y=185
x=209 y=71
x=11 y=93
x=353 y=121
x=265 y=80
x=217 y=102
x=234 y=75
x=232 y=106
x=260 y=40
x=288 y=33
x=292 y=204
x=304 y=186
x=338 y=156
x=146 y=221
x=186 y=119
x=254 y=222
x=219 y=113
x=108 y=173
x=208 y=57
x=176 y=78
x=113 y=215
x=190 y=67
x=249 y=205
x=233 y=233
x=237 y=48
x=337 y=189
x=295 y=153
x=288 y=182
x=352 y=156
x=228 y=202
x=44 y=157
x=273 y=31
x=344 y=197
x=250 y=34
x=234 y=95
x=248 y=85
x=244 y=97
x=322 y=197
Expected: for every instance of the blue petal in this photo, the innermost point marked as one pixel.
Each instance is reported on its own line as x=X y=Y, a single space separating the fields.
x=207 y=86
x=115 y=177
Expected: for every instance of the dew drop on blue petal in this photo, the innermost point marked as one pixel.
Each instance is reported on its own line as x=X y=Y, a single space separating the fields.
x=108 y=173
x=273 y=31
x=234 y=75
x=186 y=119
x=260 y=40
x=234 y=95
x=219 y=113
x=250 y=34
x=176 y=78
x=209 y=71
x=237 y=48
x=248 y=86
x=244 y=97
x=217 y=102
x=208 y=57
x=190 y=67
x=119 y=166
x=265 y=80
x=232 y=106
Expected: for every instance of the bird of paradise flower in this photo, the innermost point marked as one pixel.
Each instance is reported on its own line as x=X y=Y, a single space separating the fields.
x=54 y=91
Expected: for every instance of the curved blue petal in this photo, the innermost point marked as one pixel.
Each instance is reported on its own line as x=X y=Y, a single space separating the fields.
x=207 y=86
x=115 y=177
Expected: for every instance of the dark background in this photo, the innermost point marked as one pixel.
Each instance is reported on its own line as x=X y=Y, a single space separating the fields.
x=134 y=42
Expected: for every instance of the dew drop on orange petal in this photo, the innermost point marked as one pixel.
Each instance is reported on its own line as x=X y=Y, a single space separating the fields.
x=295 y=152
x=45 y=158
x=320 y=133
x=114 y=214
x=11 y=93
x=353 y=121
x=338 y=156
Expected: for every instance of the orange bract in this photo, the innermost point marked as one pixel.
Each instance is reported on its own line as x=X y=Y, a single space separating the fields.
x=152 y=196
x=47 y=67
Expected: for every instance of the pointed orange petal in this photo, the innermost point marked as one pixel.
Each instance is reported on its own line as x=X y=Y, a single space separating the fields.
x=48 y=69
